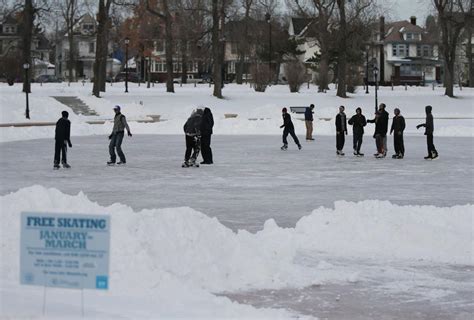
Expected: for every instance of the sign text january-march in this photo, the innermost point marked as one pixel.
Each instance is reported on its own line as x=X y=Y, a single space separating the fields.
x=65 y=250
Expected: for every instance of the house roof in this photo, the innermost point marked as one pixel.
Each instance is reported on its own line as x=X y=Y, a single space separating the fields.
x=395 y=30
x=299 y=24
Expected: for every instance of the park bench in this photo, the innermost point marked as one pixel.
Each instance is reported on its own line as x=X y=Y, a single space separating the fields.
x=298 y=109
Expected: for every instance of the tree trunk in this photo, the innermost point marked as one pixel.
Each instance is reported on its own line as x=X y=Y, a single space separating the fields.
x=184 y=61
x=341 y=59
x=449 y=78
x=168 y=47
x=28 y=16
x=216 y=48
x=101 y=51
x=240 y=68
x=470 y=66
x=70 y=12
x=323 y=75
x=148 y=72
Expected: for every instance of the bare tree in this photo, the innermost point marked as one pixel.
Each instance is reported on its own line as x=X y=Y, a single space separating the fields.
x=452 y=16
x=162 y=11
x=70 y=12
x=218 y=42
x=100 y=64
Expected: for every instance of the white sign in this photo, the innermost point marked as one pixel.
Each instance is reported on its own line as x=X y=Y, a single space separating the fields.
x=65 y=250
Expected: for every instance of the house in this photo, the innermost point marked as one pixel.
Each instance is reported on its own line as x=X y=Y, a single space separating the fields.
x=84 y=56
x=404 y=53
x=11 y=43
x=303 y=30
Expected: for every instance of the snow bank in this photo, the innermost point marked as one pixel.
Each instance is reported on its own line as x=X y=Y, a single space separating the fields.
x=258 y=113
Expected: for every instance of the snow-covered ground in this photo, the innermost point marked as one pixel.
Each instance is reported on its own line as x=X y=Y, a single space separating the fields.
x=262 y=234
x=258 y=113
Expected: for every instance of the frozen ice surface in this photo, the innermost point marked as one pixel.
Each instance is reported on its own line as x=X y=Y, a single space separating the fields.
x=252 y=180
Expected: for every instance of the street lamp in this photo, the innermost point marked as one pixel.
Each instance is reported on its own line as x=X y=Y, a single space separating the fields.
x=376 y=73
x=127 y=41
x=26 y=66
x=268 y=19
x=367 y=47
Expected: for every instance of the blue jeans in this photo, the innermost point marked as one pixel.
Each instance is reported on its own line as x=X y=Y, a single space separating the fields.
x=116 y=143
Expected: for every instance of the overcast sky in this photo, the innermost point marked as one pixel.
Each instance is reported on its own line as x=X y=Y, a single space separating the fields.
x=404 y=9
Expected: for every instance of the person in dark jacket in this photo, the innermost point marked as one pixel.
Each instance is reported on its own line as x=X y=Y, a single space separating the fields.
x=308 y=119
x=398 y=126
x=341 y=131
x=358 y=123
x=63 y=139
x=192 y=131
x=429 y=128
x=289 y=129
x=116 y=137
x=206 y=132
x=381 y=128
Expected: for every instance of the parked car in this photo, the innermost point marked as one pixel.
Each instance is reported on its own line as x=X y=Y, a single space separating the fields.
x=47 y=78
x=190 y=79
x=132 y=77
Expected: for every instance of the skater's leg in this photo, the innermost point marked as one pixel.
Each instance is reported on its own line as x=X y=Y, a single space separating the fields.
x=355 y=140
x=339 y=143
x=189 y=147
x=402 y=145
x=343 y=140
x=285 y=134
x=209 y=151
x=396 y=143
x=196 y=147
x=311 y=129
x=113 y=156
x=429 y=142
x=205 y=141
x=64 y=153
x=379 y=143
x=385 y=144
x=295 y=138
x=118 y=145
x=57 y=151
x=359 y=145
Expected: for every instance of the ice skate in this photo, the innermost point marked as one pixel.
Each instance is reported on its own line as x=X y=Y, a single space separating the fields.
x=284 y=147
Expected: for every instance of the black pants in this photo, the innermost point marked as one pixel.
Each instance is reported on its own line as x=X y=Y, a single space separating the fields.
x=357 y=140
x=193 y=145
x=398 y=144
x=206 y=148
x=116 y=143
x=340 y=140
x=291 y=132
x=60 y=148
x=429 y=142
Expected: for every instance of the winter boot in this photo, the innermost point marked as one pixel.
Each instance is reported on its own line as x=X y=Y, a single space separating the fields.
x=299 y=147
x=355 y=152
x=284 y=147
x=66 y=165
x=121 y=163
x=428 y=157
x=56 y=166
x=110 y=163
x=360 y=154
x=434 y=155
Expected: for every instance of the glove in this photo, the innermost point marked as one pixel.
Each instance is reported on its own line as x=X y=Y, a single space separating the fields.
x=69 y=144
x=418 y=126
x=281 y=127
x=110 y=137
x=129 y=133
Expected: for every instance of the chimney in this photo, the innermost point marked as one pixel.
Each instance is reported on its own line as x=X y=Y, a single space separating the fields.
x=413 y=20
x=382 y=28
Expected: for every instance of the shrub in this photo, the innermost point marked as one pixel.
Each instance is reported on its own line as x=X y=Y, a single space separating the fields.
x=295 y=73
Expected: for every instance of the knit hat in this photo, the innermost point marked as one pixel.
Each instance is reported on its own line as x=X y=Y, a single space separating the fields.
x=117 y=107
x=65 y=114
x=283 y=110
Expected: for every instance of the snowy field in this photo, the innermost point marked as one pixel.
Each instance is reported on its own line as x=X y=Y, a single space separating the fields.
x=262 y=234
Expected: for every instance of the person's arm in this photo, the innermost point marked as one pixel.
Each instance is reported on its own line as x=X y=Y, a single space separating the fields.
x=371 y=121
x=351 y=121
x=68 y=133
x=402 y=125
x=364 y=121
x=125 y=124
x=421 y=125
x=392 y=127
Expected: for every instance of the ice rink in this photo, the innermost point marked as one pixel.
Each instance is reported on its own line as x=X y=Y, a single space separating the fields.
x=252 y=180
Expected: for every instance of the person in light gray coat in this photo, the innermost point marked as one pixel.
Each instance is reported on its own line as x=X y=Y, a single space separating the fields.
x=116 y=137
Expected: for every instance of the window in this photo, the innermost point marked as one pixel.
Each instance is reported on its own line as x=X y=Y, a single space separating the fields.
x=410 y=70
x=159 y=46
x=9 y=29
x=424 y=50
x=91 y=47
x=88 y=27
x=399 y=50
x=233 y=48
x=409 y=36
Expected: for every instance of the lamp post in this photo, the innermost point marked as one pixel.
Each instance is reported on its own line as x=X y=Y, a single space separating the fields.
x=268 y=19
x=376 y=73
x=367 y=47
x=127 y=41
x=26 y=66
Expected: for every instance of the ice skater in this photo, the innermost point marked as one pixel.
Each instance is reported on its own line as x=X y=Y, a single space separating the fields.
x=289 y=128
x=358 y=122
x=206 y=132
x=398 y=126
x=381 y=128
x=116 y=137
x=429 y=128
x=192 y=131
x=62 y=139
x=308 y=120
x=341 y=131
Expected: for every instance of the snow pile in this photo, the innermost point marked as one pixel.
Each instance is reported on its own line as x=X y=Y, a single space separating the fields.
x=258 y=113
x=178 y=256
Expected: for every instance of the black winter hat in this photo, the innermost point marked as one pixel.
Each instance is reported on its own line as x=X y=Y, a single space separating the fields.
x=65 y=114
x=428 y=109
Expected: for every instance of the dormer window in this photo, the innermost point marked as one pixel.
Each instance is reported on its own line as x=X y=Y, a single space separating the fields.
x=412 y=36
x=8 y=29
x=88 y=27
